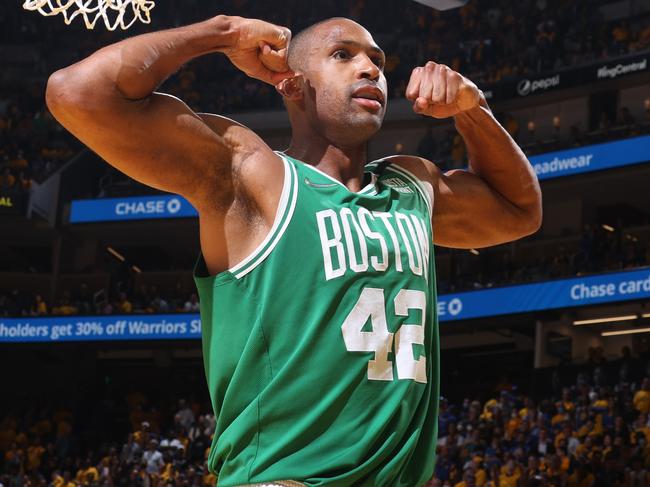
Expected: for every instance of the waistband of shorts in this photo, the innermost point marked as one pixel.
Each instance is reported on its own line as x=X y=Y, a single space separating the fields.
x=276 y=483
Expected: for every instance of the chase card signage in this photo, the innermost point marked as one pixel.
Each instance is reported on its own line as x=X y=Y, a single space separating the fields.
x=550 y=165
x=562 y=293
x=136 y=208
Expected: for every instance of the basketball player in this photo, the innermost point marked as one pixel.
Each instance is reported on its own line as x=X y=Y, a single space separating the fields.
x=316 y=276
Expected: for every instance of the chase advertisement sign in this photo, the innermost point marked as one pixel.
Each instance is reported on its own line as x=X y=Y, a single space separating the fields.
x=550 y=165
x=563 y=293
x=135 y=208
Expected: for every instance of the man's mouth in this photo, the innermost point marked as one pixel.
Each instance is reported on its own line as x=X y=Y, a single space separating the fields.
x=369 y=97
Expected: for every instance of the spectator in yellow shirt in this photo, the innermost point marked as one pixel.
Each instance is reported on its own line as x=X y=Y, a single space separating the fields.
x=510 y=474
x=88 y=474
x=141 y=436
x=39 y=307
x=641 y=429
x=64 y=308
x=57 y=480
x=642 y=397
x=124 y=306
x=559 y=417
x=468 y=479
x=513 y=424
x=209 y=479
x=62 y=481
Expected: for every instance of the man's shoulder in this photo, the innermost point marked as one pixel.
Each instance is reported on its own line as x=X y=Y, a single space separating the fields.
x=246 y=143
x=424 y=171
x=420 y=167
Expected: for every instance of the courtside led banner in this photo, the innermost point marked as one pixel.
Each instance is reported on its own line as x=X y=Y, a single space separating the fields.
x=568 y=78
x=592 y=158
x=564 y=293
x=550 y=165
x=135 y=208
x=94 y=328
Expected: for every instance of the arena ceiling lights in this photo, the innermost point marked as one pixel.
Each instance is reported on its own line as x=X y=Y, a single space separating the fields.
x=610 y=319
x=631 y=331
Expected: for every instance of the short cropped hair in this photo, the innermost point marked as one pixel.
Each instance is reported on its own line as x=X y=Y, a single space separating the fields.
x=298 y=55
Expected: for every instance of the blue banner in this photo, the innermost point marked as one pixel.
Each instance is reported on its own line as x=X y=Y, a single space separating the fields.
x=592 y=158
x=550 y=165
x=135 y=208
x=95 y=328
x=563 y=293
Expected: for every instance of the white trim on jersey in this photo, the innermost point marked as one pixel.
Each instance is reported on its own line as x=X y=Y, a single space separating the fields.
x=368 y=187
x=284 y=207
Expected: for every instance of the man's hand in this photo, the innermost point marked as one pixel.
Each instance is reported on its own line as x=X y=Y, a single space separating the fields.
x=260 y=50
x=440 y=92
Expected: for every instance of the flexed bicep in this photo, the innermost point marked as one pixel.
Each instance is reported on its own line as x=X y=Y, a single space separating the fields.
x=468 y=213
x=108 y=101
x=158 y=141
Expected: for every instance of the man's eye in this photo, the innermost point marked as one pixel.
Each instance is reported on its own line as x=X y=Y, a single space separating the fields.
x=341 y=54
x=379 y=62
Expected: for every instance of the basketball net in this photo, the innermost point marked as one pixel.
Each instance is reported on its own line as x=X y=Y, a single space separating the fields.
x=122 y=13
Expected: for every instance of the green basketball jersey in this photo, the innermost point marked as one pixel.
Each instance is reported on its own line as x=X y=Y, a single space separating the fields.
x=321 y=348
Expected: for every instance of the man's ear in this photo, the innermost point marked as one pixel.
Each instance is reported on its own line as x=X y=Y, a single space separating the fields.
x=291 y=88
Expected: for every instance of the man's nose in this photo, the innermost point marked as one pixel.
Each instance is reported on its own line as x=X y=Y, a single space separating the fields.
x=368 y=69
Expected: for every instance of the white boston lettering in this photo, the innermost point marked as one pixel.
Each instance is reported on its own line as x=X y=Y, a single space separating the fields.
x=353 y=241
x=416 y=267
x=356 y=264
x=328 y=243
x=376 y=264
x=385 y=216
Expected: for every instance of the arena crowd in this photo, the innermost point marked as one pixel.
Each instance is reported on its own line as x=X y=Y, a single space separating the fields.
x=600 y=248
x=496 y=42
x=590 y=431
x=588 y=426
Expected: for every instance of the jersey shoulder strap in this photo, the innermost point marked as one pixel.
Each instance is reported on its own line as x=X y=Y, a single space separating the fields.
x=424 y=188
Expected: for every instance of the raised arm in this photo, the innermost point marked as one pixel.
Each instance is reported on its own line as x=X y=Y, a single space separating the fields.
x=499 y=199
x=108 y=101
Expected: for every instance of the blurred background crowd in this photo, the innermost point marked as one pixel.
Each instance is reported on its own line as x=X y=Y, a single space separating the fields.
x=501 y=41
x=577 y=425
x=584 y=426
x=599 y=248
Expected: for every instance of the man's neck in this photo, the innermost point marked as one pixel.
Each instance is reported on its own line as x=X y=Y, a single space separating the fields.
x=345 y=164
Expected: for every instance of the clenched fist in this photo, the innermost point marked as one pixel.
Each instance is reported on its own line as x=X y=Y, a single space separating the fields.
x=260 y=50
x=440 y=92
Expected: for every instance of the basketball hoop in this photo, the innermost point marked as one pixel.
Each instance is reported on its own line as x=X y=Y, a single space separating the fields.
x=122 y=13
